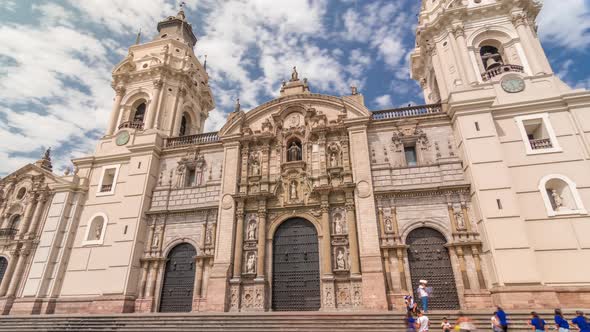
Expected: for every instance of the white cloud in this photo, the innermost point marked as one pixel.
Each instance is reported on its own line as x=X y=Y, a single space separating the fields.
x=8 y=5
x=384 y=101
x=565 y=23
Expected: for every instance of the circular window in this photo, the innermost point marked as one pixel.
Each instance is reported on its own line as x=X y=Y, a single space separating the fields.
x=21 y=193
x=164 y=35
x=145 y=65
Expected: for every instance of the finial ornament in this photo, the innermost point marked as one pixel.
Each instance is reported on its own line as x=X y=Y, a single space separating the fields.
x=205 y=63
x=294 y=75
x=354 y=90
x=180 y=14
x=45 y=161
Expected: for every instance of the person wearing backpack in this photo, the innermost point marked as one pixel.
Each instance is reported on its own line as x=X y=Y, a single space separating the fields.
x=537 y=324
x=581 y=322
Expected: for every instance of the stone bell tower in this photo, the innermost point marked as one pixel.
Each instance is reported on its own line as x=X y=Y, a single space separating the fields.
x=161 y=86
x=482 y=59
x=461 y=44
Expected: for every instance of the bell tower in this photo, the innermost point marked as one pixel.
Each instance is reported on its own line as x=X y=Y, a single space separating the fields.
x=462 y=45
x=161 y=86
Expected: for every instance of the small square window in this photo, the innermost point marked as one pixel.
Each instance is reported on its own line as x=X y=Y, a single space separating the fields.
x=410 y=153
x=108 y=180
x=537 y=134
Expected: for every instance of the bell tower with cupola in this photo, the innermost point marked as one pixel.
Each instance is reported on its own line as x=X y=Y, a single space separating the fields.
x=161 y=86
x=462 y=45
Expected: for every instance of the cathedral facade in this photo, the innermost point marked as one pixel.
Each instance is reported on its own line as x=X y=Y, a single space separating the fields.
x=315 y=202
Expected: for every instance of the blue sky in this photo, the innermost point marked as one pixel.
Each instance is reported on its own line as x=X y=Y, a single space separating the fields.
x=56 y=58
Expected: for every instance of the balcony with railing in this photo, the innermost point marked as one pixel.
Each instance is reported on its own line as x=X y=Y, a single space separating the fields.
x=541 y=143
x=499 y=70
x=406 y=112
x=105 y=188
x=132 y=124
x=175 y=142
x=7 y=233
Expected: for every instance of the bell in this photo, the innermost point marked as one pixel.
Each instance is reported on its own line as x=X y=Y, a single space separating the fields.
x=492 y=63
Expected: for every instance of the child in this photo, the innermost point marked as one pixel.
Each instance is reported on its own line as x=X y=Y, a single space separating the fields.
x=496 y=326
x=445 y=325
x=410 y=304
x=582 y=322
x=538 y=324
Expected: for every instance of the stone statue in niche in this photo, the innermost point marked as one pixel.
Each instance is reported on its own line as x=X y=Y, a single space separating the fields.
x=255 y=165
x=180 y=175
x=251 y=263
x=558 y=200
x=251 y=230
x=98 y=231
x=341 y=260
x=388 y=225
x=209 y=235
x=199 y=168
x=156 y=240
x=293 y=190
x=294 y=152
x=333 y=160
x=338 y=229
x=460 y=220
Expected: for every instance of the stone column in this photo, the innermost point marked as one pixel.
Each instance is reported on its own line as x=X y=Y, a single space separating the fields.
x=458 y=55
x=524 y=33
x=16 y=276
x=452 y=218
x=326 y=239
x=8 y=274
x=237 y=273
x=24 y=225
x=477 y=261
x=199 y=278
x=381 y=222
x=178 y=114
x=154 y=104
x=119 y=93
x=352 y=237
x=5 y=220
x=440 y=72
x=142 y=283
x=459 y=33
x=152 y=270
x=260 y=273
x=32 y=229
x=464 y=276
x=466 y=216
x=402 y=268
x=387 y=266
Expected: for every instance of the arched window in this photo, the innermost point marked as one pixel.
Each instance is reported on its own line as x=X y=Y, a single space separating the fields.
x=294 y=150
x=184 y=126
x=96 y=229
x=560 y=195
x=490 y=57
x=21 y=193
x=3 y=266
x=15 y=221
x=139 y=113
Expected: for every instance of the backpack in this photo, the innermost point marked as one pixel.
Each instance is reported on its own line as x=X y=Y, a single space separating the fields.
x=429 y=290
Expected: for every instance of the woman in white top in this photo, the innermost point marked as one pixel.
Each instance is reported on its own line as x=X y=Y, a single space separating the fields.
x=423 y=293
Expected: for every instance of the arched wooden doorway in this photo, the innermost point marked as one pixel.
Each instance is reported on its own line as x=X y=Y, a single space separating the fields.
x=296 y=267
x=179 y=279
x=429 y=260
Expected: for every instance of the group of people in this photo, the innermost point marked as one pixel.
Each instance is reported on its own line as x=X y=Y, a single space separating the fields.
x=580 y=322
x=417 y=321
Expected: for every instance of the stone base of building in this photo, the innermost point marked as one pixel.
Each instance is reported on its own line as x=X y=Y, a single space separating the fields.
x=480 y=299
x=541 y=297
x=144 y=305
x=6 y=305
x=95 y=305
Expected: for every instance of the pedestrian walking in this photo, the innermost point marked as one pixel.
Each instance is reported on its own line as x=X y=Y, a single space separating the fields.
x=464 y=323
x=502 y=318
x=424 y=293
x=445 y=325
x=561 y=323
x=496 y=326
x=581 y=321
x=423 y=323
x=536 y=323
x=410 y=322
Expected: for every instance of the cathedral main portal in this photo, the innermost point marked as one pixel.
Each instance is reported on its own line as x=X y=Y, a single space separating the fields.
x=296 y=267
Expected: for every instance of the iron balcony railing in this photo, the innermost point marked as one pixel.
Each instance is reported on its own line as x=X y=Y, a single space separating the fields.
x=105 y=188
x=8 y=233
x=407 y=112
x=174 y=142
x=541 y=143
x=132 y=125
x=489 y=74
